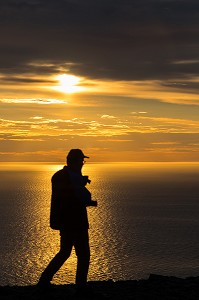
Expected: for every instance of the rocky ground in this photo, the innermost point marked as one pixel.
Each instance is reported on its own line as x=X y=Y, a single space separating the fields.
x=156 y=287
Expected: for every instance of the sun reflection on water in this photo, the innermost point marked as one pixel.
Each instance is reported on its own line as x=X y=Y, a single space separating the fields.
x=125 y=229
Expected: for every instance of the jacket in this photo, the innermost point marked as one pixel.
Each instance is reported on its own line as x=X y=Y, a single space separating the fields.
x=67 y=211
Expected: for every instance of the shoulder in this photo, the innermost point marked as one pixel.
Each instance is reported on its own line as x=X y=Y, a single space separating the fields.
x=63 y=173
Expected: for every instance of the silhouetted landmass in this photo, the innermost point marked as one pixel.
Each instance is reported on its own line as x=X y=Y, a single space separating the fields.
x=156 y=287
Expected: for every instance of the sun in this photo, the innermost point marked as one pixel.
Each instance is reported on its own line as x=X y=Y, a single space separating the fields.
x=68 y=83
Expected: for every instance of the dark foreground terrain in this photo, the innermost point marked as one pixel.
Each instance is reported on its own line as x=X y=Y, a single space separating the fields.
x=155 y=287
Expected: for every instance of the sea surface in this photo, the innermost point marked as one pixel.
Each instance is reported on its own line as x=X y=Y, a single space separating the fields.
x=147 y=221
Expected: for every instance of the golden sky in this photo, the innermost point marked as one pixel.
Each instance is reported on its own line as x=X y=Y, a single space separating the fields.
x=127 y=93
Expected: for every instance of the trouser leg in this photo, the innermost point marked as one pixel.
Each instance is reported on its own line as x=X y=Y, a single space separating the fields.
x=55 y=264
x=82 y=250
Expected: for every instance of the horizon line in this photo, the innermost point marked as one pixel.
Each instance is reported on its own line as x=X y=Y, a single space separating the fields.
x=93 y=162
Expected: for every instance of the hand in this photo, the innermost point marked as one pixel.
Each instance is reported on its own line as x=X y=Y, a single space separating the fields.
x=86 y=180
x=92 y=203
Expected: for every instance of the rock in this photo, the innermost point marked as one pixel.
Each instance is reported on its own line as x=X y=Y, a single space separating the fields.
x=156 y=287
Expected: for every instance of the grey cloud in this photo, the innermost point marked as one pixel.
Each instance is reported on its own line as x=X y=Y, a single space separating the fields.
x=189 y=87
x=12 y=79
x=130 y=40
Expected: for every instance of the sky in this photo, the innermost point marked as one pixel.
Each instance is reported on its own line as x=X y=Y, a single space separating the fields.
x=116 y=78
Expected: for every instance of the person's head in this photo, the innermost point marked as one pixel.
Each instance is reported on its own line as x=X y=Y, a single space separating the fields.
x=75 y=158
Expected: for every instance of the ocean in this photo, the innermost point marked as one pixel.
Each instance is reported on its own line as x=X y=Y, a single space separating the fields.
x=147 y=221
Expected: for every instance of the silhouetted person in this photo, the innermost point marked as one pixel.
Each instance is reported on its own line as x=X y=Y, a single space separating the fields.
x=69 y=215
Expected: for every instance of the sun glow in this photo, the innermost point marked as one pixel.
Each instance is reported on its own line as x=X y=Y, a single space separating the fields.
x=68 y=84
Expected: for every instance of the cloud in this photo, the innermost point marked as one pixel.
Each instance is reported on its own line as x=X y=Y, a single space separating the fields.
x=139 y=112
x=41 y=128
x=163 y=124
x=119 y=40
x=35 y=101
x=36 y=118
x=116 y=140
x=137 y=59
x=134 y=48
x=24 y=80
x=121 y=129
x=189 y=86
x=165 y=143
x=107 y=117
x=179 y=149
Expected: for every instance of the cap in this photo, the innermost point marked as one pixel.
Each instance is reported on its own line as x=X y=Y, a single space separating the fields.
x=75 y=154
